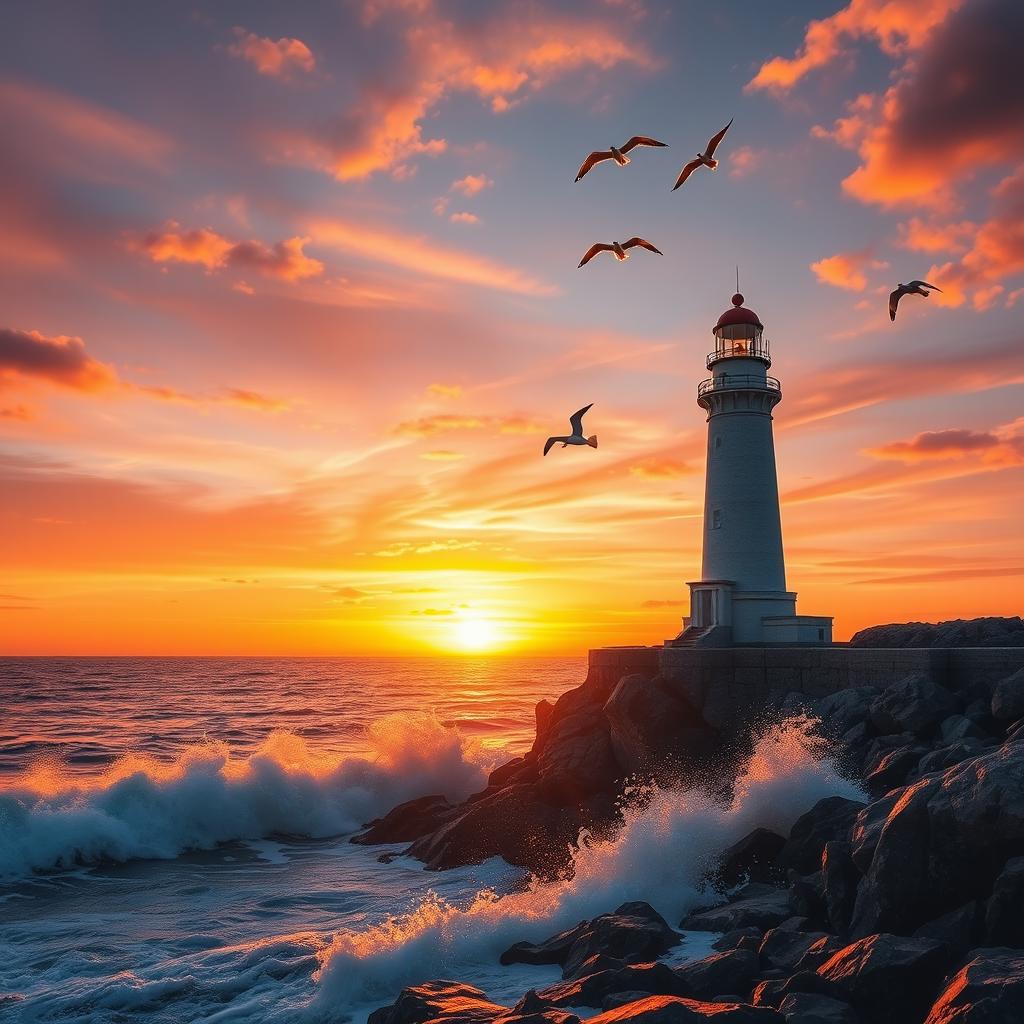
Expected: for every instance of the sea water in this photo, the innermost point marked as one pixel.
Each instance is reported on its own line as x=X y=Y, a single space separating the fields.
x=174 y=835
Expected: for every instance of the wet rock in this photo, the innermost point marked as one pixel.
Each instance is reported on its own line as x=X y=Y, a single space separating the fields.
x=1004 y=912
x=539 y=1017
x=840 y=878
x=809 y=1008
x=867 y=830
x=945 y=757
x=756 y=904
x=845 y=710
x=784 y=948
x=551 y=951
x=653 y=729
x=514 y=823
x=807 y=899
x=577 y=757
x=408 y=821
x=1008 y=698
x=960 y=727
x=676 y=1010
x=739 y=938
x=773 y=991
x=439 y=1000
x=988 y=989
x=635 y=933
x=894 y=768
x=732 y=971
x=752 y=859
x=831 y=818
x=959 y=930
x=593 y=989
x=518 y=770
x=887 y=978
x=818 y=952
x=915 y=704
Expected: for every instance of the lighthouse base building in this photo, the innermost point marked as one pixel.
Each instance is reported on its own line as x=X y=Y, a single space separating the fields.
x=741 y=597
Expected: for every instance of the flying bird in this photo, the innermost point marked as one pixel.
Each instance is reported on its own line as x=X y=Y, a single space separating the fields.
x=619 y=249
x=576 y=437
x=914 y=288
x=703 y=159
x=618 y=155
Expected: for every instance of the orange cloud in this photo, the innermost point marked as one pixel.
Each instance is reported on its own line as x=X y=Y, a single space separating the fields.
x=938 y=444
x=929 y=236
x=471 y=184
x=464 y=218
x=424 y=257
x=229 y=396
x=896 y=25
x=846 y=269
x=443 y=423
x=278 y=58
x=445 y=390
x=442 y=455
x=60 y=360
x=660 y=468
x=284 y=260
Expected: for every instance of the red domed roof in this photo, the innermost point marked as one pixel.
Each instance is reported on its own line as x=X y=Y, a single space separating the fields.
x=739 y=314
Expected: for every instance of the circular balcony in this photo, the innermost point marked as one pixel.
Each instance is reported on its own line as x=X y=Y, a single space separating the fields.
x=738 y=382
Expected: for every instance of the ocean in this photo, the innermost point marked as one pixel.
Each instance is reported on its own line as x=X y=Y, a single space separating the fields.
x=174 y=835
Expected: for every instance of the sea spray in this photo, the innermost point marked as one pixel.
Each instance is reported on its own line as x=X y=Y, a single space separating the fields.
x=144 y=808
x=661 y=854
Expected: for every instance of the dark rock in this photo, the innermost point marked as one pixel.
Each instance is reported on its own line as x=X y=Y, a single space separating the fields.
x=1015 y=731
x=867 y=830
x=784 y=948
x=577 y=757
x=739 y=938
x=959 y=930
x=762 y=906
x=752 y=859
x=809 y=1008
x=894 y=769
x=807 y=898
x=543 y=714
x=594 y=989
x=1004 y=913
x=916 y=704
x=514 y=823
x=617 y=999
x=439 y=1000
x=774 y=991
x=675 y=1010
x=1008 y=698
x=552 y=951
x=844 y=710
x=887 y=978
x=653 y=728
x=818 y=952
x=635 y=933
x=539 y=1017
x=408 y=821
x=856 y=737
x=831 y=818
x=945 y=757
x=519 y=769
x=984 y=632
x=731 y=971
x=989 y=989
x=839 y=880
x=960 y=727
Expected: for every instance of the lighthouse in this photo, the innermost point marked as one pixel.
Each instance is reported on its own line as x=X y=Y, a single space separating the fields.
x=741 y=597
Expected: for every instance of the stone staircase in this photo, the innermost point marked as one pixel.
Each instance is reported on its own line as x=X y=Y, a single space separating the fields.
x=691 y=636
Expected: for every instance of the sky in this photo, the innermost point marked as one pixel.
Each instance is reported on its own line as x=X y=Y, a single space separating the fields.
x=289 y=302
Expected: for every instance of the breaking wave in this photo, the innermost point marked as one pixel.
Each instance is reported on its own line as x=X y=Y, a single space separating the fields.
x=144 y=808
x=667 y=843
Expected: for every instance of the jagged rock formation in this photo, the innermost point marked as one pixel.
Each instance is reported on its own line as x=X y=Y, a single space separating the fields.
x=987 y=632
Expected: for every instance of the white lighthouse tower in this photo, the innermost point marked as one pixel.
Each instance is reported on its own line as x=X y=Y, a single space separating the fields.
x=741 y=597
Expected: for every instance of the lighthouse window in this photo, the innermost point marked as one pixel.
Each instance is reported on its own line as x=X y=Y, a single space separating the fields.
x=716 y=519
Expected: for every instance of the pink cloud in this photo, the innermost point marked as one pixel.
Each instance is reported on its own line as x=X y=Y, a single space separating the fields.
x=462 y=217
x=278 y=58
x=59 y=360
x=471 y=184
x=846 y=269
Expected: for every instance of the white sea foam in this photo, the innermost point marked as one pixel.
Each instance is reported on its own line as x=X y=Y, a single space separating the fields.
x=143 y=808
x=667 y=842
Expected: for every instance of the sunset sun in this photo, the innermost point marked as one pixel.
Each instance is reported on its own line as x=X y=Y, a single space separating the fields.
x=473 y=632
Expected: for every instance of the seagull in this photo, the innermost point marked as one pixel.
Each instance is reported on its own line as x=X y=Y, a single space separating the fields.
x=703 y=159
x=914 y=288
x=619 y=249
x=618 y=155
x=576 y=437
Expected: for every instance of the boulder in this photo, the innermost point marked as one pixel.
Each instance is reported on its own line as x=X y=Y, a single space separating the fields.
x=442 y=1001
x=960 y=727
x=818 y=952
x=635 y=933
x=408 y=821
x=1008 y=698
x=546 y=1016
x=773 y=991
x=959 y=929
x=867 y=829
x=514 y=823
x=1004 y=912
x=810 y=1008
x=839 y=878
x=719 y=974
x=991 y=631
x=784 y=947
x=752 y=859
x=756 y=904
x=594 y=989
x=887 y=978
x=915 y=704
x=894 y=769
x=945 y=757
x=988 y=989
x=831 y=818
x=519 y=769
x=807 y=899
x=676 y=1010
x=844 y=710
x=653 y=728
x=577 y=757
x=551 y=951
x=739 y=938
